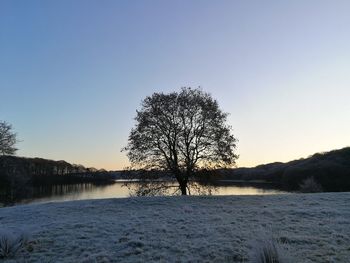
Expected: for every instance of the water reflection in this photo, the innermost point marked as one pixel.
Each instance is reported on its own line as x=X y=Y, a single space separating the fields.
x=57 y=193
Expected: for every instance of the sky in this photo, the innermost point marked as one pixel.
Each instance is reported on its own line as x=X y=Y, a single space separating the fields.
x=73 y=73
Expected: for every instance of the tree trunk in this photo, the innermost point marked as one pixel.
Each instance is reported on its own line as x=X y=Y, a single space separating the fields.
x=183 y=187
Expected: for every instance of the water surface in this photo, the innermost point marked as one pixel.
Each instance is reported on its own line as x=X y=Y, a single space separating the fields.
x=58 y=193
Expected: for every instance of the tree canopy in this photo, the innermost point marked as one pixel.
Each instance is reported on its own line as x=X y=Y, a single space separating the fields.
x=8 y=139
x=181 y=133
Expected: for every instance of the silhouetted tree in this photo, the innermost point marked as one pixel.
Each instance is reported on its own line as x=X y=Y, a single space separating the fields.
x=181 y=133
x=8 y=139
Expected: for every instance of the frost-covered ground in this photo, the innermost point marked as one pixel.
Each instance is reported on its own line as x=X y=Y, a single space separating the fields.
x=315 y=228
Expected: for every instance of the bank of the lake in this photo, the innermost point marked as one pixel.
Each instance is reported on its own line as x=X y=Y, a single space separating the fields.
x=314 y=227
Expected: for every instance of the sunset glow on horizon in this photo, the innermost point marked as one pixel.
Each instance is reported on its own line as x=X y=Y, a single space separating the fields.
x=73 y=73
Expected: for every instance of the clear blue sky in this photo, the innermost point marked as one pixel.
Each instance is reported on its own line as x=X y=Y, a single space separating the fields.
x=73 y=73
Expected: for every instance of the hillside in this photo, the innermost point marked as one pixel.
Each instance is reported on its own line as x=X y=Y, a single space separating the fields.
x=330 y=169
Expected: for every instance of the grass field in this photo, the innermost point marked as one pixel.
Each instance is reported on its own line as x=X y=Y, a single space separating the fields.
x=310 y=227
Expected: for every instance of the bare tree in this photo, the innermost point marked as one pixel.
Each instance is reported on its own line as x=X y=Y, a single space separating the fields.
x=8 y=139
x=181 y=133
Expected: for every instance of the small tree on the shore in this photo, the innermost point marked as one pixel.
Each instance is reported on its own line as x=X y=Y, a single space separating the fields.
x=8 y=139
x=181 y=133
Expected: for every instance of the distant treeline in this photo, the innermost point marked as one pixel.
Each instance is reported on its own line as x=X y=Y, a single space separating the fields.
x=19 y=174
x=43 y=171
x=331 y=170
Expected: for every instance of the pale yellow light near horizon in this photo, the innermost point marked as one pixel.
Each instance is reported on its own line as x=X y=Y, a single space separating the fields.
x=243 y=161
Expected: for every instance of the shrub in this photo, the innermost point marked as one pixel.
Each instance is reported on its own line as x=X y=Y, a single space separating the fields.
x=10 y=243
x=310 y=185
x=269 y=251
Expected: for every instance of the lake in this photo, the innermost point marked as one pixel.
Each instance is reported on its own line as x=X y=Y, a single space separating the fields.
x=59 y=193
